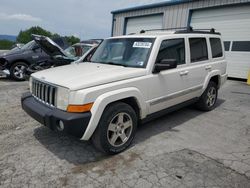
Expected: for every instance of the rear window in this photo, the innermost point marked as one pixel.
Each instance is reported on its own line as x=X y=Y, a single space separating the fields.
x=241 y=46
x=227 y=45
x=216 y=47
x=198 y=49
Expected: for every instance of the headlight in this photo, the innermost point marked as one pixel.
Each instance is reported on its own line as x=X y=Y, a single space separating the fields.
x=30 y=84
x=62 y=98
x=3 y=63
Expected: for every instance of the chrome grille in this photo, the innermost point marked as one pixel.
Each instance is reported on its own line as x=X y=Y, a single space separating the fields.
x=44 y=92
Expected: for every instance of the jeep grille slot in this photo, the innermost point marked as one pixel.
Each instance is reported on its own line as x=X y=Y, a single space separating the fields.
x=44 y=92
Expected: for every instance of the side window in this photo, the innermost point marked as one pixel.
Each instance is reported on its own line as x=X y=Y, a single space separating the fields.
x=198 y=49
x=227 y=45
x=172 y=49
x=241 y=46
x=216 y=47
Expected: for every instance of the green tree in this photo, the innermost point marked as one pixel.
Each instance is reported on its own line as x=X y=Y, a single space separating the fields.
x=6 y=44
x=72 y=39
x=25 y=36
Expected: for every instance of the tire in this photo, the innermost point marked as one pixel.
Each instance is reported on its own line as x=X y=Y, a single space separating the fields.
x=17 y=71
x=116 y=128
x=208 y=99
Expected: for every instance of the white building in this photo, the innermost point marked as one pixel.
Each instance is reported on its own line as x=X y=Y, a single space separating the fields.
x=229 y=17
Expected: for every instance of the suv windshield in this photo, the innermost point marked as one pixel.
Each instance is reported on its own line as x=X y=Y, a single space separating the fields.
x=129 y=52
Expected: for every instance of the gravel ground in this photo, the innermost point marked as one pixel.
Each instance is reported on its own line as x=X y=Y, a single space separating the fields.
x=187 y=148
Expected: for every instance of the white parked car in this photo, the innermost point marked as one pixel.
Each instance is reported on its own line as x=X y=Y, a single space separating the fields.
x=130 y=79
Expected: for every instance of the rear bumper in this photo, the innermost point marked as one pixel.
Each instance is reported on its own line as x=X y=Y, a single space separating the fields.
x=223 y=79
x=73 y=123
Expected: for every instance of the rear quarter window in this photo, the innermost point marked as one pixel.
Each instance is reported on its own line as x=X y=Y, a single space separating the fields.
x=216 y=47
x=198 y=49
x=227 y=45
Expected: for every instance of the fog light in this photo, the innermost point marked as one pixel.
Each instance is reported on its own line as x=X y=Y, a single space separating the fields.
x=60 y=126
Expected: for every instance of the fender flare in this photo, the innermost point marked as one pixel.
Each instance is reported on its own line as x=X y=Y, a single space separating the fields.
x=105 y=99
x=11 y=63
x=208 y=78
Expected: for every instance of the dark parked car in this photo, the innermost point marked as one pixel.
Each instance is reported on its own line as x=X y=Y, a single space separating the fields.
x=59 y=61
x=14 y=62
x=39 y=54
x=78 y=52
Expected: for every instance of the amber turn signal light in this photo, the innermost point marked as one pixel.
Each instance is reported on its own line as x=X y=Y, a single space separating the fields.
x=80 y=108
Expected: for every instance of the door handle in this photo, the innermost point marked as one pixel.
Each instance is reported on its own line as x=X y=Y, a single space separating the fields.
x=183 y=73
x=209 y=67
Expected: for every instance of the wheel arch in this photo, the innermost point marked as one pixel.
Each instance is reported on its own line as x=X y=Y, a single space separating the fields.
x=131 y=96
x=133 y=102
x=21 y=60
x=214 y=76
x=18 y=60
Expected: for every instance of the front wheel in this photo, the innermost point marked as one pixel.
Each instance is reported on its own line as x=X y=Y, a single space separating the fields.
x=208 y=99
x=116 y=128
x=18 y=70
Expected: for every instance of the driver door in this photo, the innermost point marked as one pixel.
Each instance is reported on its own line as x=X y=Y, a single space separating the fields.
x=169 y=86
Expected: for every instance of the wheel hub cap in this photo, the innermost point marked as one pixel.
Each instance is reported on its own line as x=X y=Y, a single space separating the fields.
x=211 y=96
x=119 y=129
x=19 y=71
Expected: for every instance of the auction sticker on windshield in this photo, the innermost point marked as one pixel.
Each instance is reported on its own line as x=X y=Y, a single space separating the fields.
x=142 y=44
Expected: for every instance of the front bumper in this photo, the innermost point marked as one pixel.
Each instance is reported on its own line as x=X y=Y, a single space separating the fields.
x=74 y=123
x=5 y=72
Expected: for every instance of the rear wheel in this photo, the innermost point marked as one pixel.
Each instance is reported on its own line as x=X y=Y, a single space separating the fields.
x=116 y=128
x=208 y=99
x=17 y=71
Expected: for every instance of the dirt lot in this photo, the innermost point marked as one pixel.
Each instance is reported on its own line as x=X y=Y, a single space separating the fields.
x=186 y=148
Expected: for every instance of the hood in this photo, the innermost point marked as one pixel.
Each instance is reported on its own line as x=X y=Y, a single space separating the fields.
x=85 y=75
x=12 y=52
x=48 y=45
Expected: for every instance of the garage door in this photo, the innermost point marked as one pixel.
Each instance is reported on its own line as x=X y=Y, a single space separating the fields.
x=136 y=24
x=234 y=25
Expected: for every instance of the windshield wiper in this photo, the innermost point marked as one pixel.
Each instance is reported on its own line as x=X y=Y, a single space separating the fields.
x=112 y=63
x=109 y=63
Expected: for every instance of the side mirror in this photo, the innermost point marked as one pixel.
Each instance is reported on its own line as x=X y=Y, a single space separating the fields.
x=165 y=64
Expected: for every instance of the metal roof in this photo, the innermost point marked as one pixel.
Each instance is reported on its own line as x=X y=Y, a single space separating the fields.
x=155 y=5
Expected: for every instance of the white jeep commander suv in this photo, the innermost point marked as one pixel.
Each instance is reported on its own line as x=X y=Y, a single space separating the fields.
x=129 y=79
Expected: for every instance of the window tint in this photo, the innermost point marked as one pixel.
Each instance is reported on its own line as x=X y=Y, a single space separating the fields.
x=243 y=46
x=172 y=49
x=216 y=47
x=198 y=49
x=227 y=45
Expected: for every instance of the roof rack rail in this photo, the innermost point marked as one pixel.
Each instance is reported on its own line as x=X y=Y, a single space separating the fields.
x=184 y=30
x=166 y=29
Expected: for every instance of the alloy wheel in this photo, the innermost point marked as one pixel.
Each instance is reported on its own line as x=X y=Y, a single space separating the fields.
x=19 y=71
x=120 y=129
x=211 y=96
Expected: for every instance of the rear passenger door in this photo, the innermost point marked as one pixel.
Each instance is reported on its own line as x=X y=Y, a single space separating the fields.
x=199 y=64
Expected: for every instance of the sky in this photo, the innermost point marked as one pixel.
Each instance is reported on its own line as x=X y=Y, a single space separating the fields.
x=82 y=18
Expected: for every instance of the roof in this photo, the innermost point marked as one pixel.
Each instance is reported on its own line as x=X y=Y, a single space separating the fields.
x=155 y=5
x=150 y=34
x=163 y=33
